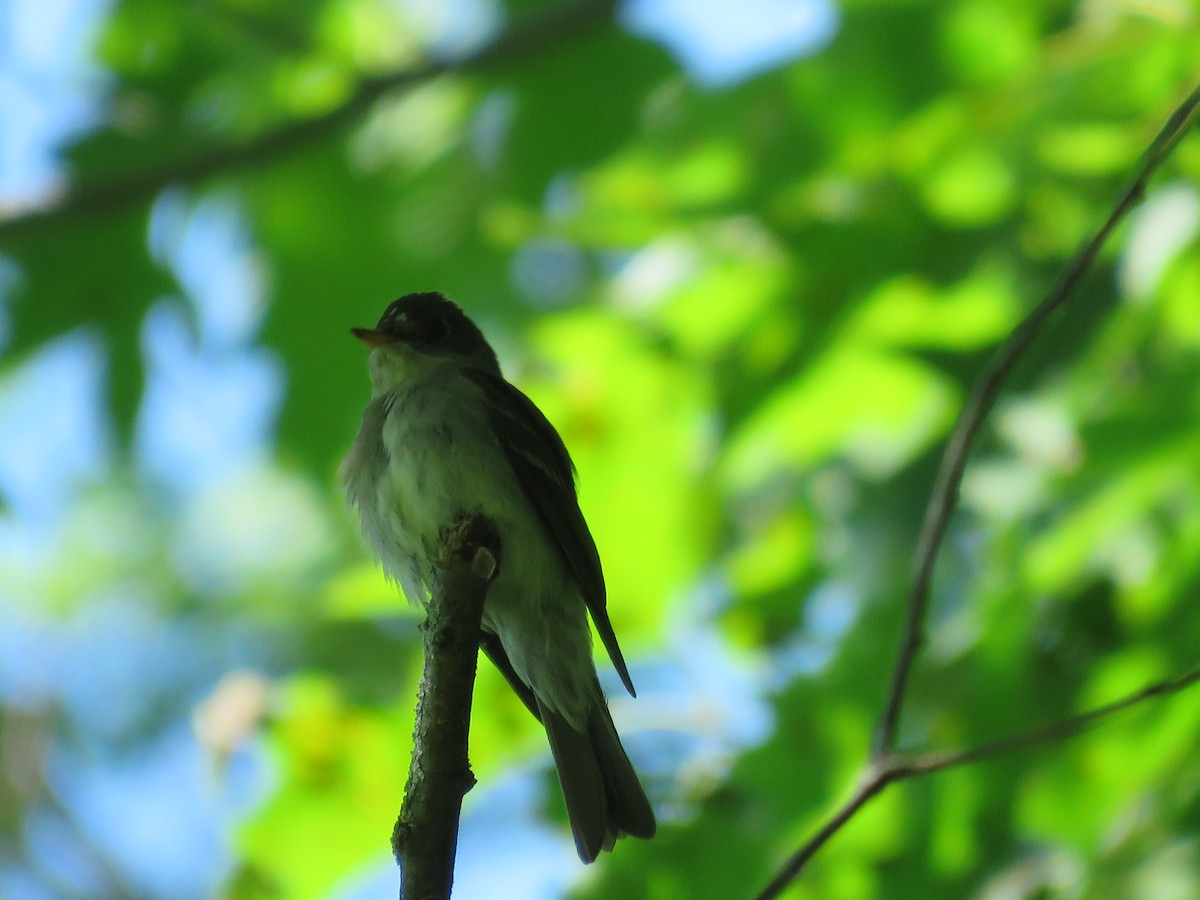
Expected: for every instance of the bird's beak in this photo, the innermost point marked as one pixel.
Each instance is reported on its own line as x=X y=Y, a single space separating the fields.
x=371 y=337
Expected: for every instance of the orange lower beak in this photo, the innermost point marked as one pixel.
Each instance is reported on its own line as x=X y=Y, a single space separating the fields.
x=372 y=338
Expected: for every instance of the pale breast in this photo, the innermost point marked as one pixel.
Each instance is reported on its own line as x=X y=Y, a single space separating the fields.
x=423 y=458
x=426 y=455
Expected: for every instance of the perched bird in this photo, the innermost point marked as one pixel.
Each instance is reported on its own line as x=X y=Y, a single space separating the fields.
x=445 y=435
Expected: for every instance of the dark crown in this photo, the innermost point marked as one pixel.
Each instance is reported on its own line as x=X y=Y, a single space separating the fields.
x=430 y=319
x=402 y=312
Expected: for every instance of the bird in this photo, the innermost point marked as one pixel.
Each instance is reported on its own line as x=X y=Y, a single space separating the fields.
x=444 y=436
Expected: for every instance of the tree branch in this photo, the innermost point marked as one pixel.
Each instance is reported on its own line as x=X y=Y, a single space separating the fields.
x=950 y=473
x=874 y=780
x=901 y=767
x=425 y=837
x=550 y=30
x=886 y=765
x=935 y=761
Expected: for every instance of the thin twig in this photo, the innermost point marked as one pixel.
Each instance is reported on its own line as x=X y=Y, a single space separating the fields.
x=425 y=837
x=901 y=767
x=887 y=766
x=543 y=33
x=950 y=473
x=935 y=761
x=869 y=786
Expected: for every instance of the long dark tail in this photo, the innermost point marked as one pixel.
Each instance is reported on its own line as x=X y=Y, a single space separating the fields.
x=604 y=798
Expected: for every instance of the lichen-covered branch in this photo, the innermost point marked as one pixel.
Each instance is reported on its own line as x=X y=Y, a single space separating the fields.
x=425 y=837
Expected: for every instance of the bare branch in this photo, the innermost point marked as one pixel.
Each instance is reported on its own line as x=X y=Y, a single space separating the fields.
x=543 y=33
x=425 y=837
x=949 y=478
x=923 y=763
x=873 y=781
x=887 y=766
x=901 y=767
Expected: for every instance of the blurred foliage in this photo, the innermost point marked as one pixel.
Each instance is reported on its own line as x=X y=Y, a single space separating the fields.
x=753 y=311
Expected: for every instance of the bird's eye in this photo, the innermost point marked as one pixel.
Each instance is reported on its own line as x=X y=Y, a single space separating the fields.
x=434 y=330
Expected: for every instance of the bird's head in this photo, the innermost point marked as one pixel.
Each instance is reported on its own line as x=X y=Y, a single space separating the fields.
x=419 y=330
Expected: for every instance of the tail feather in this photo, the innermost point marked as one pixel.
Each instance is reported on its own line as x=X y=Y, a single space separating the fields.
x=626 y=797
x=604 y=798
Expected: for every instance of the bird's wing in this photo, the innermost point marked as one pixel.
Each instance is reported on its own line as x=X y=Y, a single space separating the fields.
x=545 y=471
x=490 y=644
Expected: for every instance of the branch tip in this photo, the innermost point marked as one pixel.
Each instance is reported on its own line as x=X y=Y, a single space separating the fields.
x=484 y=564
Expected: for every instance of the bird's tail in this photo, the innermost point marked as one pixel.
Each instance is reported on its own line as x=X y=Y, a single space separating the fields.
x=604 y=798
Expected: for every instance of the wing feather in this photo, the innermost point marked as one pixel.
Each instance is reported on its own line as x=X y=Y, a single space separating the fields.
x=545 y=471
